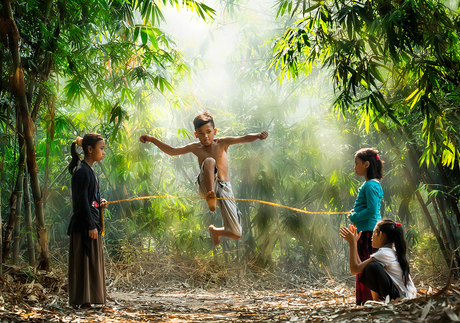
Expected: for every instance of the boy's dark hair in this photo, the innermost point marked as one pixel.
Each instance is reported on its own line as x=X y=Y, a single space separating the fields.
x=202 y=119
x=395 y=234
x=375 y=169
x=90 y=139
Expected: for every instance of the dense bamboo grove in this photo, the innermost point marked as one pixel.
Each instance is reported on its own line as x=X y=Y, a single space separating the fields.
x=324 y=79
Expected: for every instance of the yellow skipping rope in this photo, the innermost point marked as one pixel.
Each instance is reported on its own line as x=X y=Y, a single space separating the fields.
x=217 y=198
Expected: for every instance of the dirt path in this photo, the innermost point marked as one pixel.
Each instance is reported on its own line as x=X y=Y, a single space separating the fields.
x=183 y=304
x=217 y=305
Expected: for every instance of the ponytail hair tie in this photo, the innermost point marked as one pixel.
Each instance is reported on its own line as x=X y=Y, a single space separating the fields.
x=397 y=224
x=78 y=141
x=378 y=158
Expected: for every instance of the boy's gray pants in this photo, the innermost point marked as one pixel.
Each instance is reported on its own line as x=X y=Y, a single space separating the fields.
x=231 y=215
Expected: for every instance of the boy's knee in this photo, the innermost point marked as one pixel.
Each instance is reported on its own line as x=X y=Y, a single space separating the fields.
x=237 y=233
x=236 y=236
x=209 y=162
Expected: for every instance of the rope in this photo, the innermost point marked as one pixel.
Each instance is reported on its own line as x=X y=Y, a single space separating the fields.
x=217 y=198
x=223 y=198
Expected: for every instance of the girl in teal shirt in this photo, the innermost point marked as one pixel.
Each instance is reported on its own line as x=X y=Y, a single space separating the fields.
x=366 y=212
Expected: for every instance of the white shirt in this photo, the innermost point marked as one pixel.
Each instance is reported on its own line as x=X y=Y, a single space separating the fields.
x=386 y=256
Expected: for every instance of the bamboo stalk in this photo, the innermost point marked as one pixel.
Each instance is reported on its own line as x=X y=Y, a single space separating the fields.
x=49 y=138
x=29 y=128
x=19 y=188
x=16 y=201
x=28 y=222
x=17 y=234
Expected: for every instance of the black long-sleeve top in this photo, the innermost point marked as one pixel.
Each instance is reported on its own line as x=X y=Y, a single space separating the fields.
x=86 y=202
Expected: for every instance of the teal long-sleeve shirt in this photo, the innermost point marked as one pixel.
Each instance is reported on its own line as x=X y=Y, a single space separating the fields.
x=366 y=212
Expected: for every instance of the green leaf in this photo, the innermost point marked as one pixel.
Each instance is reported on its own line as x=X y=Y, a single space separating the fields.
x=144 y=36
x=314 y=7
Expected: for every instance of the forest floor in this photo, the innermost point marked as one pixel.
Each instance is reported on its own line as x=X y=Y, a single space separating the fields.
x=41 y=297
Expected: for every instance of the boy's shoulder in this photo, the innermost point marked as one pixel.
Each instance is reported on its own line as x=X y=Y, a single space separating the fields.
x=222 y=140
x=194 y=146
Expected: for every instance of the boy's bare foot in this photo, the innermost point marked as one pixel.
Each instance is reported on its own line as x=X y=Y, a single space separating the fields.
x=214 y=234
x=211 y=200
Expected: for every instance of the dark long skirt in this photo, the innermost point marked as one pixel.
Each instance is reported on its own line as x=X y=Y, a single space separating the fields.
x=364 y=251
x=86 y=274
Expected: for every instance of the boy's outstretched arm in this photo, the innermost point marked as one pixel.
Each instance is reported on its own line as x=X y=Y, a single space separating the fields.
x=172 y=151
x=246 y=138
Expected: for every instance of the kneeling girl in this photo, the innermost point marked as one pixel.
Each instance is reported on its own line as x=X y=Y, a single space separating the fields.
x=386 y=272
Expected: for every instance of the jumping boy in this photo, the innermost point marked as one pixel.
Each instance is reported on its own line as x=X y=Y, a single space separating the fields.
x=213 y=178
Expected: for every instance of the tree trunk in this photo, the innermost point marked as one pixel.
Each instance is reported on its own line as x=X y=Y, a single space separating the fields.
x=17 y=234
x=39 y=216
x=18 y=89
x=16 y=198
x=17 y=221
x=28 y=220
x=49 y=138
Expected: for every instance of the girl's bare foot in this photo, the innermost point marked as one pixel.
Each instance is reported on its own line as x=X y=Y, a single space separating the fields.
x=211 y=200
x=215 y=235
x=82 y=306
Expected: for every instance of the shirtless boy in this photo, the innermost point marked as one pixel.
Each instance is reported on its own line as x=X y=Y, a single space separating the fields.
x=213 y=179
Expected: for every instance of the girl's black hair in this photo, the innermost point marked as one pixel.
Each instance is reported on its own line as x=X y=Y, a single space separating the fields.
x=375 y=169
x=90 y=139
x=395 y=234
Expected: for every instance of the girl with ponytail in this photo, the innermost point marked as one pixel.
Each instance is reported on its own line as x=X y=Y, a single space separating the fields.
x=86 y=259
x=386 y=272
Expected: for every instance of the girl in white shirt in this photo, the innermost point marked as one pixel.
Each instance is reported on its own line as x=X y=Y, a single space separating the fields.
x=386 y=272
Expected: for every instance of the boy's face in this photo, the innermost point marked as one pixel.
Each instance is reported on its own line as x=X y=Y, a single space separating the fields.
x=205 y=134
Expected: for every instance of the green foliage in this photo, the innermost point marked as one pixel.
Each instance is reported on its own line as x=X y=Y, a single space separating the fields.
x=389 y=60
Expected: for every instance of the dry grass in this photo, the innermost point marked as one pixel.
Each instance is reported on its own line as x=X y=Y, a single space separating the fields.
x=131 y=268
x=155 y=270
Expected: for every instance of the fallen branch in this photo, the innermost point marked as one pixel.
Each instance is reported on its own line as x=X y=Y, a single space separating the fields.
x=5 y=281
